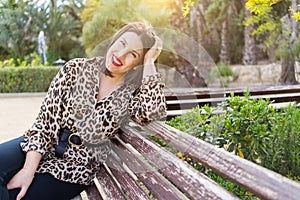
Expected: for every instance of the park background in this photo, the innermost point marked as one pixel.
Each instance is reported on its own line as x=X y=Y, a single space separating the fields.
x=251 y=43
x=265 y=41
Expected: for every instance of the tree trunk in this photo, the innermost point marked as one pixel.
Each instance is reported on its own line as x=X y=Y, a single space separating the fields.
x=288 y=63
x=224 y=54
x=287 y=76
x=187 y=67
x=177 y=19
x=271 y=53
x=197 y=24
x=249 y=56
x=53 y=3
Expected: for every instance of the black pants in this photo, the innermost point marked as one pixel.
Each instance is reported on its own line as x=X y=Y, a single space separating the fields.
x=44 y=186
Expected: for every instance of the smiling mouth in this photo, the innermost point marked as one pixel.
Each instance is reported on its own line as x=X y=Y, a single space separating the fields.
x=116 y=61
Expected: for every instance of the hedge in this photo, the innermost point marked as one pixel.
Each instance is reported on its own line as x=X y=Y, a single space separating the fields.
x=26 y=79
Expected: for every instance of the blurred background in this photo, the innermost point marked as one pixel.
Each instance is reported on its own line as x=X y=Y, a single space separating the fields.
x=250 y=41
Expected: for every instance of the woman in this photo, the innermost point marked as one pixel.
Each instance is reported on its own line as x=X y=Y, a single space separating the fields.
x=86 y=104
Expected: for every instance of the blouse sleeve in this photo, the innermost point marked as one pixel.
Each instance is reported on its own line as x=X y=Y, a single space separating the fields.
x=43 y=134
x=148 y=102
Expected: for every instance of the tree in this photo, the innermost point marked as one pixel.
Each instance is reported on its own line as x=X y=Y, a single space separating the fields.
x=21 y=22
x=63 y=30
x=249 y=54
x=212 y=24
x=220 y=13
x=274 y=21
x=289 y=34
x=102 y=18
x=219 y=25
x=15 y=28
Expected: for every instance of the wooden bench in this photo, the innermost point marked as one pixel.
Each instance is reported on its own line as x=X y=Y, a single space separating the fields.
x=141 y=169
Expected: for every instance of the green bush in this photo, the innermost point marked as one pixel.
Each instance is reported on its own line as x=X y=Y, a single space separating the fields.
x=250 y=128
x=26 y=79
x=247 y=128
x=32 y=59
x=286 y=143
x=223 y=73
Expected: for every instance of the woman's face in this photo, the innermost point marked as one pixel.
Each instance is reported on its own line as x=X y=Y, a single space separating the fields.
x=124 y=54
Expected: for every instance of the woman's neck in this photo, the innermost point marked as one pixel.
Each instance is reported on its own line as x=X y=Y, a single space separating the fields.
x=107 y=85
x=115 y=80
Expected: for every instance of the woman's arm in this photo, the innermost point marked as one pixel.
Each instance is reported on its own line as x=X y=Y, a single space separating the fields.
x=25 y=176
x=42 y=135
x=32 y=161
x=151 y=56
x=148 y=103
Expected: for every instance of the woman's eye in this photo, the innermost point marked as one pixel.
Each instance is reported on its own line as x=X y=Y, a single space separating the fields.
x=123 y=43
x=134 y=55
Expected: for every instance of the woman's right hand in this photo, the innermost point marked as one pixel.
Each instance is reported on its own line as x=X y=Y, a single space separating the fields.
x=154 y=51
x=21 y=180
x=24 y=177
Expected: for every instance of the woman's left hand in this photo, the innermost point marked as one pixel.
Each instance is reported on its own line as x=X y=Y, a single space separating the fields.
x=154 y=52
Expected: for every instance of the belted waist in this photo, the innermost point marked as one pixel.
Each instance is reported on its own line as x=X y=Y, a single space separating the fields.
x=66 y=136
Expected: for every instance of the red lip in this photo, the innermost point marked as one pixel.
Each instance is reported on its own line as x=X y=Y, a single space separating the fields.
x=116 y=61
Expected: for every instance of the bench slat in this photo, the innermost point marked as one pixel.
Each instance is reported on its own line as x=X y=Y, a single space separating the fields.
x=260 y=181
x=108 y=185
x=127 y=183
x=213 y=101
x=179 y=98
x=93 y=193
x=156 y=183
x=192 y=93
x=185 y=177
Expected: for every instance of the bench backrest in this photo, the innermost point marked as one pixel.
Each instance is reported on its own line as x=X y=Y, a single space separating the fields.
x=180 y=100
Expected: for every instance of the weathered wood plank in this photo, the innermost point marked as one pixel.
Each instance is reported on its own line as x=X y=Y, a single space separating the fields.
x=181 y=104
x=93 y=193
x=108 y=186
x=173 y=95
x=156 y=183
x=127 y=183
x=260 y=181
x=185 y=177
x=180 y=100
x=191 y=93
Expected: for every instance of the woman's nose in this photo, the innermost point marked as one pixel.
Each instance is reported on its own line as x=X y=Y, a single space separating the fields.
x=122 y=52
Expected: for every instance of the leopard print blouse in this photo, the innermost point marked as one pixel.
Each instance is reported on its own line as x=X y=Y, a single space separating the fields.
x=71 y=102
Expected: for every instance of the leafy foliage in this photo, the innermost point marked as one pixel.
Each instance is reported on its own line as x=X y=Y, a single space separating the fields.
x=251 y=129
x=14 y=25
x=63 y=31
x=267 y=17
x=21 y=22
x=223 y=73
x=217 y=11
x=102 y=18
x=286 y=143
x=186 y=7
x=247 y=127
